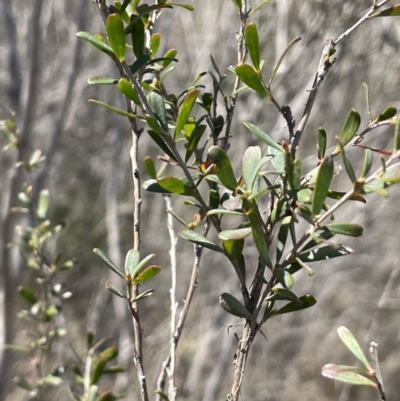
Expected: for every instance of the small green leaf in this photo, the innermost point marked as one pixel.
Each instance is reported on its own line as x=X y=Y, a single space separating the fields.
x=396 y=144
x=350 y=229
x=156 y=101
x=224 y=211
x=108 y=262
x=114 y=109
x=223 y=167
x=43 y=204
x=263 y=136
x=132 y=260
x=295 y=174
x=367 y=163
x=116 y=35
x=250 y=161
x=143 y=295
x=124 y=5
x=251 y=38
x=128 y=90
x=153 y=186
x=284 y=277
x=140 y=62
x=234 y=306
x=162 y=395
x=138 y=36
x=199 y=239
x=115 y=290
x=27 y=294
x=389 y=112
x=184 y=111
x=391 y=175
x=237 y=3
x=323 y=181
x=306 y=301
x=168 y=57
x=348 y=167
x=235 y=235
x=233 y=248
x=349 y=129
x=101 y=80
x=176 y=186
x=352 y=344
x=194 y=139
x=24 y=384
x=282 y=237
x=141 y=266
x=324 y=253
x=150 y=167
x=321 y=143
x=347 y=374
x=147 y=274
x=188 y=7
x=285 y=294
x=97 y=41
x=159 y=140
x=250 y=77
x=155 y=43
x=389 y=12
x=107 y=395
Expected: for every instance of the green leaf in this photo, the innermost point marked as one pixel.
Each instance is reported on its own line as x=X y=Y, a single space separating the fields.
x=282 y=237
x=233 y=248
x=223 y=167
x=251 y=159
x=114 y=109
x=101 y=80
x=391 y=175
x=147 y=274
x=389 y=12
x=162 y=395
x=155 y=43
x=295 y=174
x=188 y=7
x=184 y=111
x=116 y=35
x=323 y=181
x=235 y=235
x=138 y=36
x=129 y=91
x=224 y=211
x=352 y=344
x=194 y=139
x=156 y=101
x=234 y=306
x=321 y=143
x=251 y=38
x=176 y=186
x=108 y=262
x=107 y=395
x=249 y=208
x=138 y=64
x=318 y=238
x=132 y=260
x=367 y=163
x=389 y=112
x=199 y=239
x=97 y=41
x=237 y=3
x=158 y=139
x=169 y=56
x=124 y=5
x=324 y=253
x=142 y=266
x=251 y=78
x=306 y=301
x=27 y=294
x=350 y=229
x=349 y=129
x=263 y=136
x=115 y=290
x=284 y=294
x=153 y=186
x=43 y=204
x=348 y=167
x=24 y=384
x=143 y=295
x=347 y=374
x=396 y=144
x=150 y=167
x=284 y=277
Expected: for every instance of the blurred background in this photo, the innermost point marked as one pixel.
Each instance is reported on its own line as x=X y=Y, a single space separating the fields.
x=43 y=78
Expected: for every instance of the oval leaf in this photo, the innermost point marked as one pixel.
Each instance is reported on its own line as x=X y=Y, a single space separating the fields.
x=250 y=77
x=132 y=260
x=184 y=111
x=101 y=80
x=235 y=235
x=176 y=186
x=349 y=129
x=347 y=374
x=27 y=294
x=223 y=167
x=306 y=301
x=128 y=90
x=250 y=161
x=323 y=181
x=251 y=38
x=233 y=249
x=389 y=112
x=350 y=229
x=234 y=306
x=116 y=35
x=97 y=41
x=389 y=12
x=114 y=109
x=324 y=253
x=108 y=262
x=199 y=239
x=147 y=274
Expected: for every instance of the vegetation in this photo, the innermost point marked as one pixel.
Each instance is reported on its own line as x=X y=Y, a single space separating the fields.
x=272 y=215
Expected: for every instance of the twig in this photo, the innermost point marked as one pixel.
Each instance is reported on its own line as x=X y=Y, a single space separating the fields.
x=174 y=305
